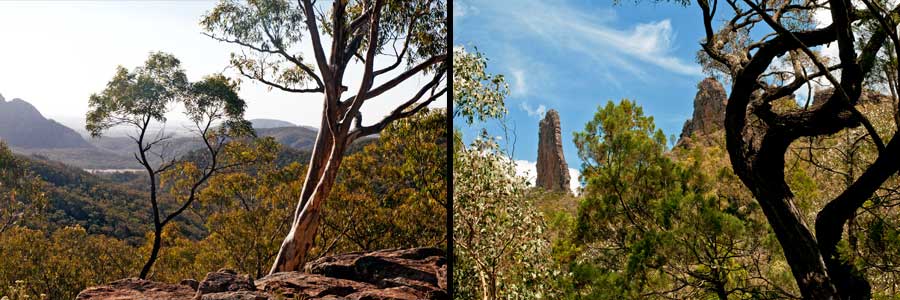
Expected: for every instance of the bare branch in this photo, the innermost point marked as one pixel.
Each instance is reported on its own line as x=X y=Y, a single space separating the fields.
x=402 y=53
x=280 y=50
x=265 y=81
x=313 y=29
x=399 y=112
x=405 y=75
x=368 y=77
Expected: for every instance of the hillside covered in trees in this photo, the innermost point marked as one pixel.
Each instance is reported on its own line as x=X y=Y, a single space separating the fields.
x=60 y=215
x=225 y=207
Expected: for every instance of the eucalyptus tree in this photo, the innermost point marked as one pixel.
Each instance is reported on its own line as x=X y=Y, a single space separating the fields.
x=142 y=97
x=757 y=136
x=283 y=45
x=21 y=192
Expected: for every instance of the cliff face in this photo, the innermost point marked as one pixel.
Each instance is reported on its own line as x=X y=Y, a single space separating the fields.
x=709 y=111
x=397 y=274
x=552 y=170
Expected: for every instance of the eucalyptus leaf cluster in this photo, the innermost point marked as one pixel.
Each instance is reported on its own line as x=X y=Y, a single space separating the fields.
x=147 y=93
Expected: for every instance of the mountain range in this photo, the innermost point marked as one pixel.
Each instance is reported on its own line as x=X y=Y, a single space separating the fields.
x=23 y=126
x=74 y=168
x=26 y=131
x=270 y=123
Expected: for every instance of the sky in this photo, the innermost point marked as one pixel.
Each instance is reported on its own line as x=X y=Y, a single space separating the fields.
x=575 y=55
x=56 y=54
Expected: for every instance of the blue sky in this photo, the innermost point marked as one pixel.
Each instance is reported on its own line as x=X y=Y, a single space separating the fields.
x=573 y=55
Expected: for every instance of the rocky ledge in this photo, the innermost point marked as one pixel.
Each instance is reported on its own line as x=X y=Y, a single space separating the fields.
x=394 y=274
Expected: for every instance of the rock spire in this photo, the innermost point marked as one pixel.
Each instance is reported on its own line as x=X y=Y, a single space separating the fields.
x=552 y=170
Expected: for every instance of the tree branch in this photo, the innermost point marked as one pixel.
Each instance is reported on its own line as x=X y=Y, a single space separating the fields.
x=265 y=81
x=831 y=219
x=404 y=76
x=368 y=77
x=313 y=29
x=398 y=113
x=280 y=50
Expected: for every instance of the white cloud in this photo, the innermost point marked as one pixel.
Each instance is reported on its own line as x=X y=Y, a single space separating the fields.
x=461 y=9
x=574 y=184
x=528 y=169
x=823 y=19
x=520 y=86
x=537 y=112
x=590 y=34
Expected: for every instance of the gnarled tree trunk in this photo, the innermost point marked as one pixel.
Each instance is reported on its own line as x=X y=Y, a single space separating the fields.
x=800 y=247
x=757 y=150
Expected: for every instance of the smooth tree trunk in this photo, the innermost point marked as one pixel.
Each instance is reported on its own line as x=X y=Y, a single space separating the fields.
x=323 y=169
x=348 y=41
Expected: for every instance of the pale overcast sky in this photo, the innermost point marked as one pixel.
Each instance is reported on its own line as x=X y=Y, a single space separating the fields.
x=55 y=54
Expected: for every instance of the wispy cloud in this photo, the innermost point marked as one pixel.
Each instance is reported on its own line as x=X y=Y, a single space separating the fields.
x=461 y=9
x=520 y=85
x=592 y=35
x=537 y=112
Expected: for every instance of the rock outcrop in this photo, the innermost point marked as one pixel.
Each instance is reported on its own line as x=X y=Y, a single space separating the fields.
x=552 y=170
x=709 y=111
x=867 y=96
x=224 y=280
x=137 y=289
x=396 y=274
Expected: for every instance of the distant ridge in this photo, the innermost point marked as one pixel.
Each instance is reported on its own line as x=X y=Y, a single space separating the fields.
x=271 y=123
x=23 y=126
x=26 y=131
x=295 y=137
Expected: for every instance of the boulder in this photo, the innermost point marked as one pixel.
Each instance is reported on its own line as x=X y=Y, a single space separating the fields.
x=239 y=295
x=310 y=286
x=421 y=268
x=193 y=283
x=225 y=280
x=137 y=289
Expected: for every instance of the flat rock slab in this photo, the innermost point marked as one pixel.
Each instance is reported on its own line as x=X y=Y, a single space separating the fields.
x=394 y=274
x=137 y=289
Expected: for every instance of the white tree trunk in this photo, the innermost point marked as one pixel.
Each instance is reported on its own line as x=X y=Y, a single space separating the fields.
x=324 y=164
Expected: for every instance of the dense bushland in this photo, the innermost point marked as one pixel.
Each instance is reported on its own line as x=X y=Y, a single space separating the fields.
x=392 y=193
